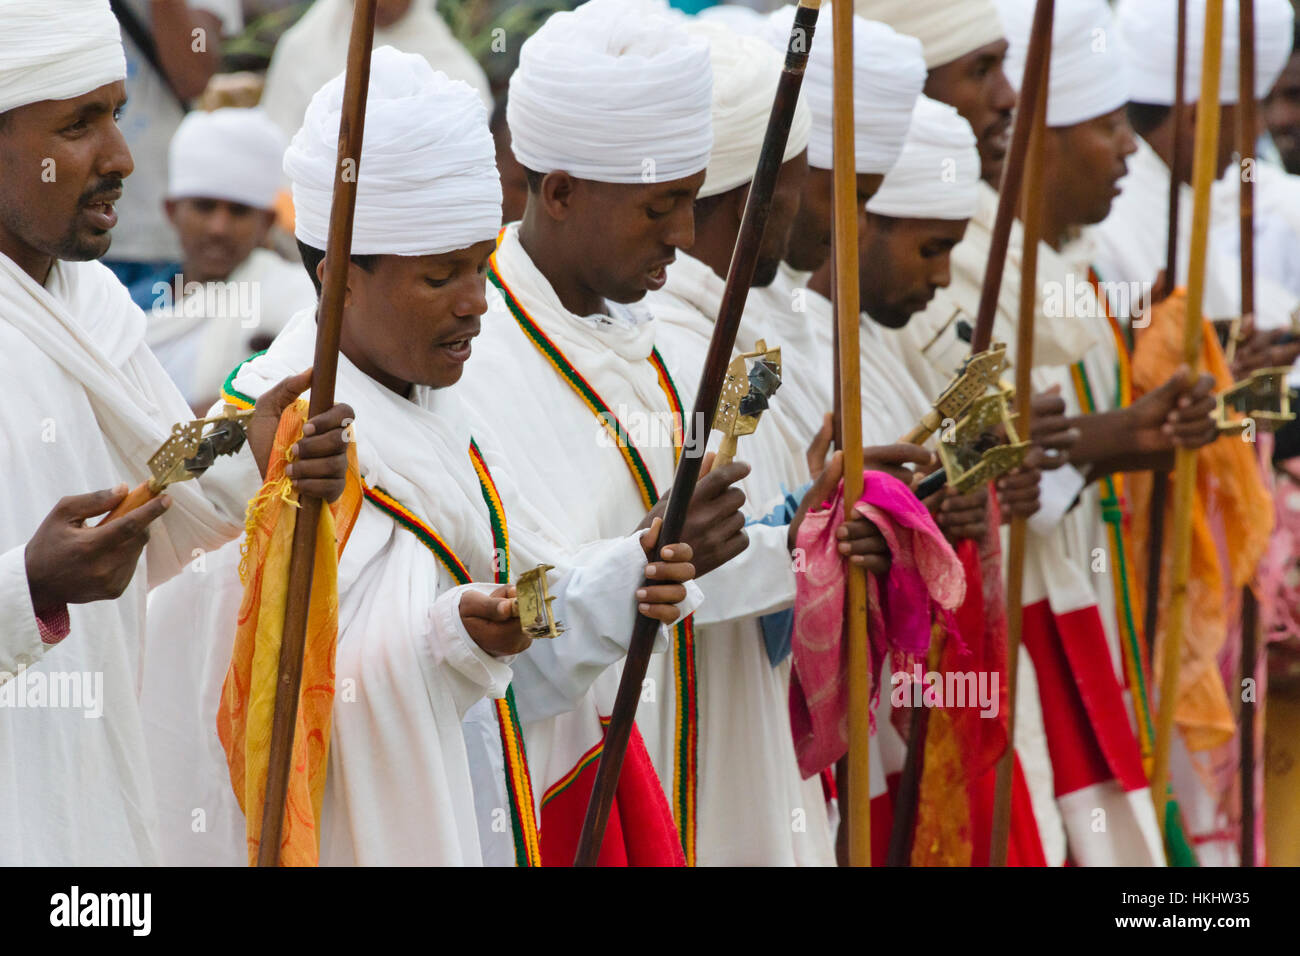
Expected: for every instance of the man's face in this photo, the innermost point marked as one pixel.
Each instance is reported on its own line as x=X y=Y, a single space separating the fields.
x=812 y=234
x=623 y=236
x=62 y=163
x=785 y=205
x=902 y=263
x=978 y=89
x=411 y=319
x=1282 y=114
x=1084 y=164
x=216 y=235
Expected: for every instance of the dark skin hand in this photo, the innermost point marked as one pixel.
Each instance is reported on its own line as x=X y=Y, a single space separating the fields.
x=1143 y=436
x=858 y=540
x=69 y=562
x=1053 y=438
x=320 y=457
x=1263 y=350
x=960 y=516
x=492 y=620
x=715 y=524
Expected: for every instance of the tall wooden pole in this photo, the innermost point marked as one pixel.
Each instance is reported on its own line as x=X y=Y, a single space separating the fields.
x=739 y=276
x=1159 y=479
x=847 y=317
x=1246 y=130
x=1032 y=218
x=1203 y=176
x=329 y=323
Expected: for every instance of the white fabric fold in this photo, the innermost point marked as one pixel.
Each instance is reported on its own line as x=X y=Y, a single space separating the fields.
x=939 y=169
x=427 y=181
x=57 y=50
x=947 y=30
x=888 y=74
x=614 y=91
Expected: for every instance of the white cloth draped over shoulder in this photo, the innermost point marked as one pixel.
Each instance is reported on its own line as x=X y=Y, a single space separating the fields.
x=89 y=406
x=399 y=779
x=750 y=784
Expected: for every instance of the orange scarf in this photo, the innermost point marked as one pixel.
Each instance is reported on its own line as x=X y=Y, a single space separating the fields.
x=248 y=694
x=1230 y=497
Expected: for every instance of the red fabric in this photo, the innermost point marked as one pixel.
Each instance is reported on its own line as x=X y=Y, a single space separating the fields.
x=1024 y=845
x=640 y=832
x=54 y=626
x=1084 y=715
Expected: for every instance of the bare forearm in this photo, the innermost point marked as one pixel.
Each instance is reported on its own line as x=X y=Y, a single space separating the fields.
x=189 y=44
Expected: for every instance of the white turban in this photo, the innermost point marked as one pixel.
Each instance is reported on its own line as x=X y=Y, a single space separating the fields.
x=614 y=91
x=888 y=74
x=745 y=75
x=427 y=182
x=937 y=175
x=1149 y=39
x=948 y=29
x=57 y=50
x=1088 y=75
x=231 y=154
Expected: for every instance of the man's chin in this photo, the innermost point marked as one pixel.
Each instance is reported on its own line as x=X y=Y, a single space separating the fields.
x=85 y=247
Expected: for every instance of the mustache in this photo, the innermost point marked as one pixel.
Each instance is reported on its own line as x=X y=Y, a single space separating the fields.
x=108 y=185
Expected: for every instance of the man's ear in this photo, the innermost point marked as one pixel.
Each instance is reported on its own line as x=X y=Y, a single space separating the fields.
x=353 y=269
x=169 y=207
x=557 y=194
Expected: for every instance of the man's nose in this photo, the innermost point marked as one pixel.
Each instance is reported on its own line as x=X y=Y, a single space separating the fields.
x=114 y=160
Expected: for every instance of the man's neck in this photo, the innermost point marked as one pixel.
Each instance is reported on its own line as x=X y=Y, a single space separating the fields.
x=35 y=264
x=550 y=257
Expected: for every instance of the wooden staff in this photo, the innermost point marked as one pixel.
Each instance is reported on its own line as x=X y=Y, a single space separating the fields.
x=1249 y=607
x=847 y=317
x=1159 y=479
x=1032 y=218
x=329 y=323
x=1033 y=92
x=1203 y=175
x=739 y=276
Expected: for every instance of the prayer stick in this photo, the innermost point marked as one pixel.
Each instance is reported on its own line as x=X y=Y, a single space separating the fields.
x=846 y=322
x=739 y=276
x=329 y=323
x=1032 y=217
x=1249 y=607
x=1203 y=175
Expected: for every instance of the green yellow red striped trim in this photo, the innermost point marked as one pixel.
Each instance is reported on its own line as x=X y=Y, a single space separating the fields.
x=229 y=394
x=583 y=763
x=686 y=724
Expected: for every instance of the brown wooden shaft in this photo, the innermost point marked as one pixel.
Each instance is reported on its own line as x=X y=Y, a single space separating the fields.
x=847 y=319
x=739 y=276
x=1178 y=160
x=1203 y=176
x=140 y=495
x=1024 y=358
x=329 y=324
x=1038 y=52
x=1249 y=606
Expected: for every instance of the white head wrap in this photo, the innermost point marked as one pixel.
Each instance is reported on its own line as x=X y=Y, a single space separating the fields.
x=614 y=91
x=937 y=174
x=427 y=182
x=57 y=50
x=230 y=154
x=888 y=74
x=745 y=75
x=1149 y=39
x=740 y=19
x=948 y=29
x=1088 y=75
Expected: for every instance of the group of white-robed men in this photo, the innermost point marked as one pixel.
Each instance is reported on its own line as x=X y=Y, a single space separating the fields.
x=640 y=131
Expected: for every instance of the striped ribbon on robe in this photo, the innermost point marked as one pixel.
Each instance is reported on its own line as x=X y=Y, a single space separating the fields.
x=685 y=750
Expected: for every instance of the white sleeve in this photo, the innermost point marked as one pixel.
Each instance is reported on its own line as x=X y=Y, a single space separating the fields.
x=759 y=580
x=595 y=601
x=20 y=639
x=473 y=672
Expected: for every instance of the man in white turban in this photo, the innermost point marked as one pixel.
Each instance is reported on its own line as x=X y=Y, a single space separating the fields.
x=88 y=405
x=610 y=112
x=418 y=644
x=746 y=746
x=232 y=294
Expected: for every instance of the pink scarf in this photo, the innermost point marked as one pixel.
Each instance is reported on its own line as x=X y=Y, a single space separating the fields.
x=925 y=579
